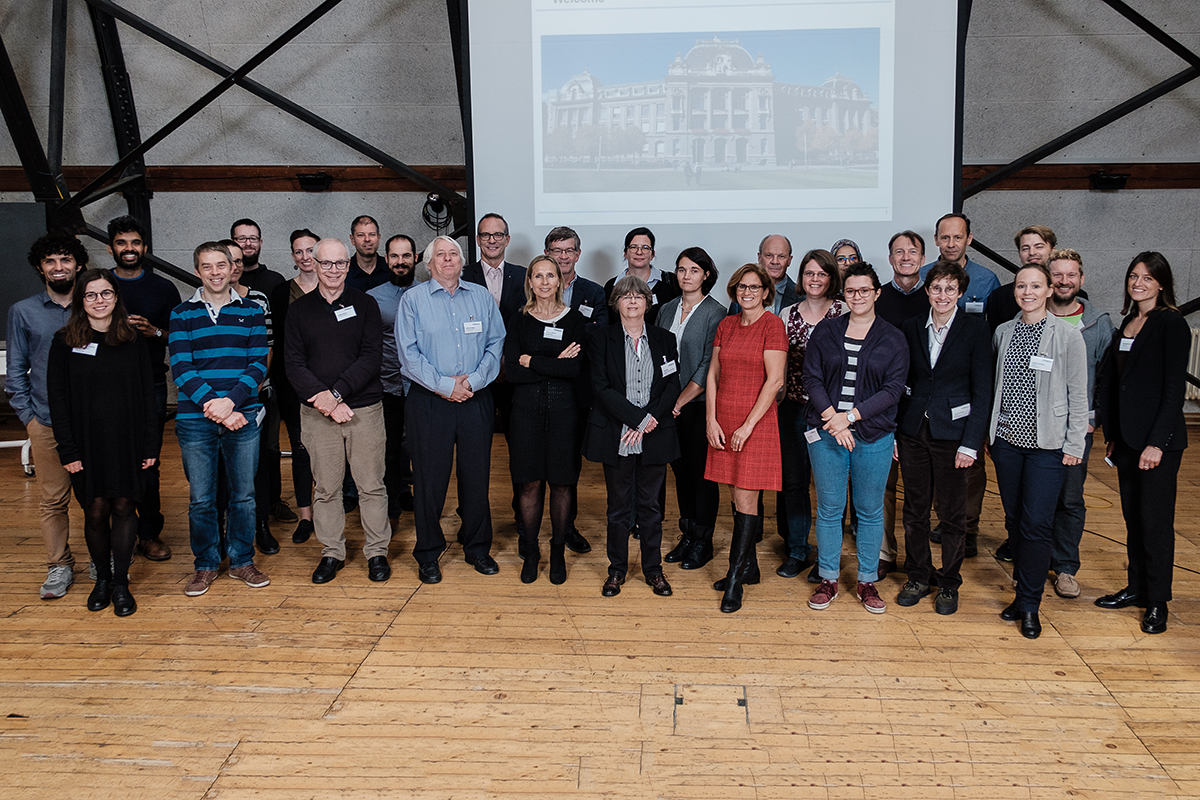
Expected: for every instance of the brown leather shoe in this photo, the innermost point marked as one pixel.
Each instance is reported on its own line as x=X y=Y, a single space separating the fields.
x=659 y=584
x=612 y=586
x=154 y=549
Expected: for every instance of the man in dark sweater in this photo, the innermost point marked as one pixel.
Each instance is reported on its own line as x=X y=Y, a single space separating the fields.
x=149 y=300
x=368 y=269
x=333 y=353
x=255 y=274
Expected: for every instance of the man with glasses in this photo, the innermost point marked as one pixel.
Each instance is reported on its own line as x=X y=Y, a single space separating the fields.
x=368 y=269
x=149 y=300
x=504 y=281
x=255 y=274
x=218 y=346
x=586 y=297
x=450 y=336
x=333 y=351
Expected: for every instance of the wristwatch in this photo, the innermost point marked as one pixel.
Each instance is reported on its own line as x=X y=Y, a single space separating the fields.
x=336 y=395
x=158 y=333
x=851 y=418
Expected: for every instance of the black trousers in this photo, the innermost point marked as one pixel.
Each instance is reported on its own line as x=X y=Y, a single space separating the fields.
x=436 y=427
x=150 y=520
x=928 y=467
x=1148 y=505
x=397 y=468
x=698 y=498
x=289 y=413
x=634 y=487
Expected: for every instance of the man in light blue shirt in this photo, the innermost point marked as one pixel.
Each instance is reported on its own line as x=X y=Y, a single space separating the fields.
x=952 y=234
x=450 y=338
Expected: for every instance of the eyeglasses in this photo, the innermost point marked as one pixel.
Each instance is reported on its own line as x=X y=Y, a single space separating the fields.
x=337 y=266
x=847 y=259
x=640 y=248
x=859 y=292
x=244 y=239
x=92 y=297
x=937 y=291
x=492 y=237
x=632 y=297
x=561 y=251
x=809 y=274
x=744 y=288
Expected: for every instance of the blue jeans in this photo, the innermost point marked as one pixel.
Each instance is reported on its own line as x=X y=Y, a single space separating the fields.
x=793 y=504
x=200 y=441
x=1029 y=480
x=1069 y=516
x=866 y=469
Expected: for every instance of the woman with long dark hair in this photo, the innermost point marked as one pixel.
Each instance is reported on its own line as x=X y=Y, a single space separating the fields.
x=543 y=358
x=1139 y=401
x=105 y=424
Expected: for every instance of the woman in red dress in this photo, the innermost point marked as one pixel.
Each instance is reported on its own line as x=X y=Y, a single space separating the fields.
x=749 y=359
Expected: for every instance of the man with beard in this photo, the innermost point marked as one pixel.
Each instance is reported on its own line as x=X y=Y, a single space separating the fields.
x=368 y=269
x=247 y=235
x=397 y=469
x=149 y=299
x=1066 y=270
x=255 y=275
x=32 y=323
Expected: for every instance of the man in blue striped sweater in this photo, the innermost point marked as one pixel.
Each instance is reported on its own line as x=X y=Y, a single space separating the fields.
x=218 y=350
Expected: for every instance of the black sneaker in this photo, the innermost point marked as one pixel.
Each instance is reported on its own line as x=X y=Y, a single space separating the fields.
x=911 y=593
x=946 y=602
x=1004 y=553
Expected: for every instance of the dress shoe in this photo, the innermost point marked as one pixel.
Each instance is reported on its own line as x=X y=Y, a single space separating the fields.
x=267 y=544
x=1004 y=552
x=327 y=570
x=659 y=584
x=281 y=512
x=429 y=573
x=101 y=594
x=303 y=531
x=122 y=600
x=1010 y=614
x=1155 y=619
x=576 y=543
x=378 y=568
x=612 y=586
x=790 y=568
x=154 y=549
x=1031 y=626
x=1122 y=599
x=484 y=564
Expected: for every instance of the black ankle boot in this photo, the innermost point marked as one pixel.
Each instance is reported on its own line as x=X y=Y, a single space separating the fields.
x=701 y=551
x=743 y=560
x=558 y=563
x=685 y=543
x=267 y=544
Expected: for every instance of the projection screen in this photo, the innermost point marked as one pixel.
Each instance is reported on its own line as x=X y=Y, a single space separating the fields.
x=712 y=122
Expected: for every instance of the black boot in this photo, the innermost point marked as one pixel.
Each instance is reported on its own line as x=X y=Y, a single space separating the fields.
x=532 y=555
x=267 y=545
x=685 y=543
x=558 y=563
x=743 y=559
x=701 y=551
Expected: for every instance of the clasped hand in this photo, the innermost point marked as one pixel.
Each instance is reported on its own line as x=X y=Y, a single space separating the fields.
x=221 y=410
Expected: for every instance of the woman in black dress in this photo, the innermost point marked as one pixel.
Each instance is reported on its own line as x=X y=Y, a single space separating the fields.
x=106 y=427
x=543 y=354
x=1139 y=402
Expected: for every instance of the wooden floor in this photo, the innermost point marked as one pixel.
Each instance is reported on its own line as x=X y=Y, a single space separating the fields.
x=482 y=687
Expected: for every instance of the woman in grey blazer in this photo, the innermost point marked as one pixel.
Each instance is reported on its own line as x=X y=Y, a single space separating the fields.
x=693 y=318
x=1038 y=421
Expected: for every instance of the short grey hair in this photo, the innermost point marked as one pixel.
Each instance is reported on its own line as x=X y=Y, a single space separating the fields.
x=331 y=241
x=427 y=256
x=630 y=284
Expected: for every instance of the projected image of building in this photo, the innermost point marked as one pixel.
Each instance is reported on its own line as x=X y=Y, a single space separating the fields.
x=717 y=108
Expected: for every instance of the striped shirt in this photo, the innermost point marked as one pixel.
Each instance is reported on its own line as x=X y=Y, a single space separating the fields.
x=217 y=353
x=850 y=376
x=639 y=375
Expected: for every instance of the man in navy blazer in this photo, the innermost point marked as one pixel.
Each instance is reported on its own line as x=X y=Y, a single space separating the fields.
x=775 y=256
x=942 y=418
x=505 y=281
x=586 y=297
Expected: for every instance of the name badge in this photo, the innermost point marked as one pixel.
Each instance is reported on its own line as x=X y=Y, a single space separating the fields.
x=474 y=326
x=552 y=333
x=587 y=311
x=812 y=436
x=260 y=416
x=669 y=368
x=958 y=412
x=1124 y=346
x=974 y=306
x=90 y=350
x=653 y=299
x=1041 y=363
x=908 y=390
x=343 y=314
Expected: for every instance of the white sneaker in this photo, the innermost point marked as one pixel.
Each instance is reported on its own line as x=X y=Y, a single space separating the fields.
x=57 y=581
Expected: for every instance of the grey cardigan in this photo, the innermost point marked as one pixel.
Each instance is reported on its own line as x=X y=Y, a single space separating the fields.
x=695 y=351
x=1062 y=400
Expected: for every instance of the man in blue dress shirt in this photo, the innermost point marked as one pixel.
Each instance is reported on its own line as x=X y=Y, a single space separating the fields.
x=450 y=336
x=952 y=235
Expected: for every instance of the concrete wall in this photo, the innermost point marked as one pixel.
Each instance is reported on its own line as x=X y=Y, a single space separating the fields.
x=383 y=70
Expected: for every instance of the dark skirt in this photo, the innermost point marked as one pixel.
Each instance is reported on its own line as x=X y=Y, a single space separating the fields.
x=542 y=443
